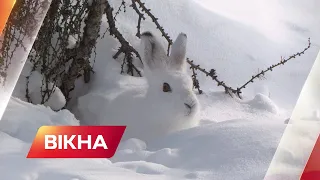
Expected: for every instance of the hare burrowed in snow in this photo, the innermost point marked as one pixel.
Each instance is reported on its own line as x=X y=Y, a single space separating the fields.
x=167 y=105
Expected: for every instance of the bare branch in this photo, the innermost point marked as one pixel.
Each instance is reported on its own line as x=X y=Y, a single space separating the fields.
x=140 y=18
x=125 y=48
x=84 y=50
x=213 y=75
x=155 y=20
x=270 y=68
x=238 y=91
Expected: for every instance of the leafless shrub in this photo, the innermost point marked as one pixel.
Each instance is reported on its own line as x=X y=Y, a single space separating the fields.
x=61 y=63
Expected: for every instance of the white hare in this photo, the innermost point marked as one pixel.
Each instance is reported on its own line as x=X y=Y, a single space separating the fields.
x=166 y=105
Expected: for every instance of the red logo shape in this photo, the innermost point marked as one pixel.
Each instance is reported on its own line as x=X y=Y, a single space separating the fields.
x=312 y=169
x=76 y=142
x=5 y=10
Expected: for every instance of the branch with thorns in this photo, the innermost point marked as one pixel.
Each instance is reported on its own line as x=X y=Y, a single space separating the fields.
x=259 y=75
x=122 y=6
x=140 y=17
x=153 y=18
x=193 y=67
x=270 y=68
x=195 y=80
x=212 y=73
x=125 y=48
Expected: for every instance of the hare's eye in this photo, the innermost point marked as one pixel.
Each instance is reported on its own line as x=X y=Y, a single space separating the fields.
x=166 y=87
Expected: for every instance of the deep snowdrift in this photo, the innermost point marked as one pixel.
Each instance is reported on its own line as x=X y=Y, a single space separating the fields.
x=226 y=150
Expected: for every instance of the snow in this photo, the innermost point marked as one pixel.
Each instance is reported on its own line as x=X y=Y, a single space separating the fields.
x=302 y=132
x=234 y=139
x=261 y=101
x=36 y=86
x=71 y=42
x=18 y=56
x=225 y=150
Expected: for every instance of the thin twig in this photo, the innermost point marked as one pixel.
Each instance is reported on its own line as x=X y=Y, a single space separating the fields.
x=125 y=48
x=213 y=75
x=270 y=68
x=155 y=20
x=140 y=18
x=238 y=91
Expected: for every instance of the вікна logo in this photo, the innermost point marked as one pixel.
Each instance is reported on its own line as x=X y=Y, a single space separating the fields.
x=76 y=142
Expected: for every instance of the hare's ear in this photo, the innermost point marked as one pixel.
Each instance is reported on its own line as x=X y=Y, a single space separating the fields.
x=178 y=52
x=152 y=52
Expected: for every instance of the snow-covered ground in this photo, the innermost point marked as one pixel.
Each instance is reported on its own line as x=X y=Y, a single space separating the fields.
x=236 y=139
x=302 y=132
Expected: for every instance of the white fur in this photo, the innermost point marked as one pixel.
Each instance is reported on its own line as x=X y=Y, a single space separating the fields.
x=148 y=112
